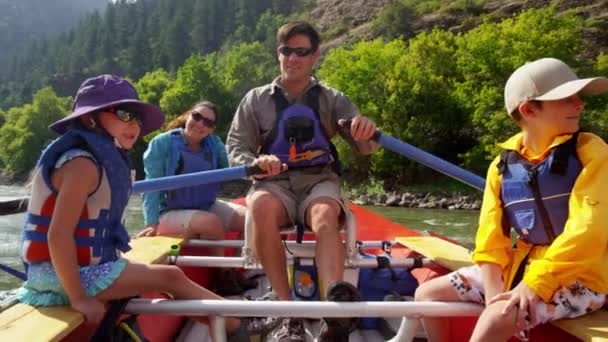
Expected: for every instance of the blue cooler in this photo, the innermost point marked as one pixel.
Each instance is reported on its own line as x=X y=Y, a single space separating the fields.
x=375 y=283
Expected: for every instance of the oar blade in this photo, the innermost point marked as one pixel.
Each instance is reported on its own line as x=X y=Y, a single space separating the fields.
x=14 y=206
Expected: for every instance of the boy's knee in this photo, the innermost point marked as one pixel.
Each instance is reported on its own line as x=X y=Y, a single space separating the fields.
x=423 y=293
x=434 y=290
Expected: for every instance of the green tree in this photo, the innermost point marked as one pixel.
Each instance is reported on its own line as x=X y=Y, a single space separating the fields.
x=488 y=54
x=195 y=81
x=25 y=131
x=360 y=72
x=152 y=85
x=420 y=109
x=245 y=66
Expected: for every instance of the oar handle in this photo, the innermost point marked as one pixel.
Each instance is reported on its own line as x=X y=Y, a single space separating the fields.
x=253 y=170
x=346 y=124
x=424 y=158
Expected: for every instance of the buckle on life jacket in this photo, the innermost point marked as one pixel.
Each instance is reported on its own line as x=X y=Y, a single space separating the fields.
x=306 y=155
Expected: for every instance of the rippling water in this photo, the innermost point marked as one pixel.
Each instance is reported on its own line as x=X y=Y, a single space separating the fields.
x=460 y=225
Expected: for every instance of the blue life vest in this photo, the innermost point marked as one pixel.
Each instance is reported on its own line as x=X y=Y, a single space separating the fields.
x=97 y=238
x=535 y=196
x=298 y=138
x=183 y=161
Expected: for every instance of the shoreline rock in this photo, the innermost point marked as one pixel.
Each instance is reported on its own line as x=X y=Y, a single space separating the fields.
x=10 y=179
x=428 y=200
x=407 y=199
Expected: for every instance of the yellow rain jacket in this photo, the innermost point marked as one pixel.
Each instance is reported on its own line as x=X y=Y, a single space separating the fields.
x=580 y=252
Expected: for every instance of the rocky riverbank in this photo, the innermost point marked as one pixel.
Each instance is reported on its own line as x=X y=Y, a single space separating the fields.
x=427 y=200
x=412 y=199
x=9 y=179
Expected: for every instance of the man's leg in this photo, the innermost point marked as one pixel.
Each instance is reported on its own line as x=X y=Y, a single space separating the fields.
x=322 y=216
x=268 y=215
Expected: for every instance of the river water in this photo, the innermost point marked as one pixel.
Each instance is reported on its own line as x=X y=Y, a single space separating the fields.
x=459 y=224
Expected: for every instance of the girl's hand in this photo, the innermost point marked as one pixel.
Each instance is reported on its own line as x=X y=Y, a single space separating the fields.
x=522 y=299
x=150 y=230
x=92 y=309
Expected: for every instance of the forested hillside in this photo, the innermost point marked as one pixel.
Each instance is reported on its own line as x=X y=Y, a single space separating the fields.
x=133 y=37
x=430 y=72
x=24 y=21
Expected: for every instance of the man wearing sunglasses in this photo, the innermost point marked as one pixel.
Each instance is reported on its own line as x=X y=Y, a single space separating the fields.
x=285 y=128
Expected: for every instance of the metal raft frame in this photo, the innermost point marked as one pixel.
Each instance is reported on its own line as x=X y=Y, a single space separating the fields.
x=409 y=311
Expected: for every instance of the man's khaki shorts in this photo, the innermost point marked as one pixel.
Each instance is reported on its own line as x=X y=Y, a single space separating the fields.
x=297 y=192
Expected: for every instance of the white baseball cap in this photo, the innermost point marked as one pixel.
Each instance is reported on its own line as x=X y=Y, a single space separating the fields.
x=548 y=79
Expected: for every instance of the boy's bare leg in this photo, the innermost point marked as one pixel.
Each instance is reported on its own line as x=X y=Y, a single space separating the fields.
x=493 y=325
x=438 y=289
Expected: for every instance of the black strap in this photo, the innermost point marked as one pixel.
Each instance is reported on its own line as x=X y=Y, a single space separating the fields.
x=387 y=247
x=384 y=262
x=280 y=104
x=519 y=275
x=561 y=155
x=502 y=164
x=417 y=263
x=511 y=157
x=106 y=327
x=299 y=232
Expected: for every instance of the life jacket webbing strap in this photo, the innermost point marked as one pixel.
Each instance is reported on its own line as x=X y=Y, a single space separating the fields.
x=40 y=220
x=519 y=274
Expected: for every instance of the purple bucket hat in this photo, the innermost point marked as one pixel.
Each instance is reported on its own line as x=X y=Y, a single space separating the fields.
x=111 y=91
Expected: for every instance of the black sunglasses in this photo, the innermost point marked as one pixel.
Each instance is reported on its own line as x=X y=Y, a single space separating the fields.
x=196 y=116
x=299 y=51
x=123 y=115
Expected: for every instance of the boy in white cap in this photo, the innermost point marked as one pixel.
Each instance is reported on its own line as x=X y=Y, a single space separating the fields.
x=549 y=186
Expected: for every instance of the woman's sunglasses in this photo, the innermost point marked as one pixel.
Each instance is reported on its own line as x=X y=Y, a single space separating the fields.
x=196 y=116
x=123 y=115
x=299 y=51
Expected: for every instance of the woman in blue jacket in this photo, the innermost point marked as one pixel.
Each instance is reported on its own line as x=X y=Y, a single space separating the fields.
x=192 y=212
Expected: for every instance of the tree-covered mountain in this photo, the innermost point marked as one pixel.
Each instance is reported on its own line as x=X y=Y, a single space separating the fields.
x=132 y=37
x=23 y=21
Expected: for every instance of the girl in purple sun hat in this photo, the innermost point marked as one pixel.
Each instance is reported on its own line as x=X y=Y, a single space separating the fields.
x=74 y=233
